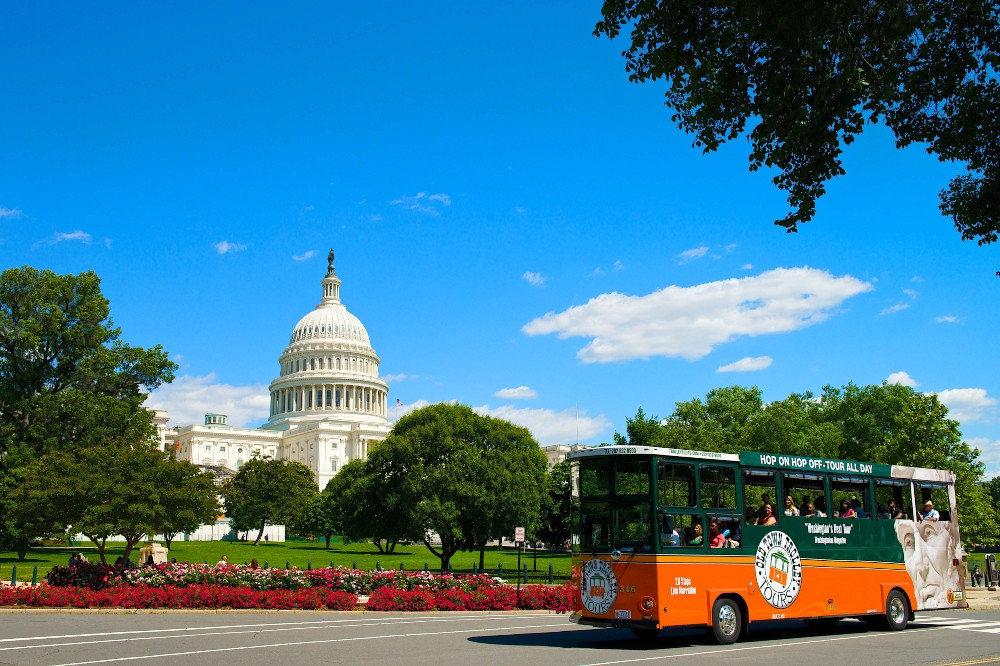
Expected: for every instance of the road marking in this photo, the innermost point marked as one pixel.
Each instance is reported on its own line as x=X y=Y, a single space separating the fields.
x=196 y=632
x=367 y=621
x=296 y=643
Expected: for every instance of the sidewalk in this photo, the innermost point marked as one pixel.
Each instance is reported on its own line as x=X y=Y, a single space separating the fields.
x=980 y=598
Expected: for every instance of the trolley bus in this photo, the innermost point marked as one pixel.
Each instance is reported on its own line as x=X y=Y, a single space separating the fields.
x=674 y=538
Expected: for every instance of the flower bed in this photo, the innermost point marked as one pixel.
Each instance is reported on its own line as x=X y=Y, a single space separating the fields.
x=239 y=586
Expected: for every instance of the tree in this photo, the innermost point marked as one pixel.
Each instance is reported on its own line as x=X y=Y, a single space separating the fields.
x=105 y=491
x=66 y=379
x=465 y=478
x=556 y=513
x=371 y=500
x=317 y=519
x=807 y=78
x=188 y=499
x=265 y=490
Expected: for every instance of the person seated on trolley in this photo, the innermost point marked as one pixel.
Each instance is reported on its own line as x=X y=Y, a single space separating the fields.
x=820 y=507
x=806 y=509
x=767 y=518
x=929 y=512
x=696 y=535
x=716 y=539
x=845 y=510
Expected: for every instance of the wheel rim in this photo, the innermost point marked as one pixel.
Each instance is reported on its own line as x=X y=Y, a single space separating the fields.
x=727 y=620
x=897 y=610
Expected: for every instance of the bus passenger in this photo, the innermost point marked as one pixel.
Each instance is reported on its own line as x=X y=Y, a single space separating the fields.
x=715 y=538
x=858 y=511
x=768 y=517
x=790 y=508
x=820 y=505
x=929 y=512
x=845 y=510
x=696 y=535
x=883 y=513
x=765 y=500
x=806 y=510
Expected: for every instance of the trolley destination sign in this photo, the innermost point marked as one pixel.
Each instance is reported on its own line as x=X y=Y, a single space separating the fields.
x=806 y=464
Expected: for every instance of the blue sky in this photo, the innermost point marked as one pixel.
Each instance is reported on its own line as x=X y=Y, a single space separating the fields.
x=519 y=227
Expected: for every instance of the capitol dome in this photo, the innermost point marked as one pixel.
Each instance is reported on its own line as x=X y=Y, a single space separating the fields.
x=329 y=369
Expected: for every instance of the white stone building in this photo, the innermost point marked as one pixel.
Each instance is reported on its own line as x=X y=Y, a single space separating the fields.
x=328 y=404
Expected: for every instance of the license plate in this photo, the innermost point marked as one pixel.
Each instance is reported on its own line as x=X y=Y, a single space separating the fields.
x=623 y=615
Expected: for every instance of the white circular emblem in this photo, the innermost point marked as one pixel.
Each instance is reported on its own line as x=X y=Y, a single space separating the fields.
x=778 y=569
x=598 y=586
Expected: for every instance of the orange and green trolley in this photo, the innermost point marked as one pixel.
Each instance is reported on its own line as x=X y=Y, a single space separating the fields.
x=677 y=538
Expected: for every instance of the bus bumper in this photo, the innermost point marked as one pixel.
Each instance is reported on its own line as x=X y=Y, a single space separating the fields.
x=609 y=623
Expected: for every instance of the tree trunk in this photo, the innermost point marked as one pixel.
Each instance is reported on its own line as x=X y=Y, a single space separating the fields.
x=482 y=556
x=327 y=537
x=260 y=532
x=22 y=546
x=168 y=538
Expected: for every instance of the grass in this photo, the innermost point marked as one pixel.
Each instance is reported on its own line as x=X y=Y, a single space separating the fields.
x=300 y=554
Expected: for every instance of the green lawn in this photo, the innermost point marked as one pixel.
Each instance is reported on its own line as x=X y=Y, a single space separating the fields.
x=299 y=554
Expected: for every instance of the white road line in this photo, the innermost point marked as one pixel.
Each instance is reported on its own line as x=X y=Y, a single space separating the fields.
x=322 y=623
x=296 y=643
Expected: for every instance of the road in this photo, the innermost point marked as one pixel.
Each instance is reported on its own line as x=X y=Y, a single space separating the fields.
x=451 y=639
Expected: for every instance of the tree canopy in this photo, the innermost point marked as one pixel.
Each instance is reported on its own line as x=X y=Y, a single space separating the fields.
x=882 y=423
x=802 y=80
x=66 y=379
x=265 y=490
x=443 y=472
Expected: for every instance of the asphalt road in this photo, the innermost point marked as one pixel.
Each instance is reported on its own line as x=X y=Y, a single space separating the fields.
x=446 y=639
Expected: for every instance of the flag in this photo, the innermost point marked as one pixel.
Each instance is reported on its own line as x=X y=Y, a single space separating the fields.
x=398 y=403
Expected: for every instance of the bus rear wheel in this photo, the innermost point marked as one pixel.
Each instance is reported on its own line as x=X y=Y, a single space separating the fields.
x=727 y=620
x=897 y=611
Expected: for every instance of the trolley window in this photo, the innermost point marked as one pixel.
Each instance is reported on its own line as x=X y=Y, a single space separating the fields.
x=675 y=483
x=718 y=487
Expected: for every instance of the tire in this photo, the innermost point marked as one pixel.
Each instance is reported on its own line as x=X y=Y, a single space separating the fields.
x=727 y=620
x=897 y=611
x=645 y=635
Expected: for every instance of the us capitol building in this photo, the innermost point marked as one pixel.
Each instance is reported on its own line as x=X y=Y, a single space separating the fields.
x=328 y=405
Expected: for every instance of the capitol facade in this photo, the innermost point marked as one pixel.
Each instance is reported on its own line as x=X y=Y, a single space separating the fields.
x=328 y=405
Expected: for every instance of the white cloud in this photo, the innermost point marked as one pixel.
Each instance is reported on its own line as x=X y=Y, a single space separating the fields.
x=519 y=393
x=989 y=453
x=390 y=378
x=947 y=319
x=968 y=405
x=9 y=212
x=747 y=267
x=77 y=236
x=690 y=321
x=898 y=307
x=397 y=412
x=548 y=426
x=309 y=254
x=692 y=254
x=911 y=293
x=536 y=279
x=748 y=364
x=225 y=247
x=423 y=203
x=187 y=399
x=619 y=266
x=902 y=378
x=520 y=210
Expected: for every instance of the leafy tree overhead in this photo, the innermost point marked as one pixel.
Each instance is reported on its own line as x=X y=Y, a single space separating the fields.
x=188 y=499
x=556 y=512
x=265 y=490
x=66 y=379
x=802 y=80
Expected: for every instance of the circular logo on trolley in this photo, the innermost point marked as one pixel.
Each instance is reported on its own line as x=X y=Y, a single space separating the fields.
x=778 y=569
x=598 y=586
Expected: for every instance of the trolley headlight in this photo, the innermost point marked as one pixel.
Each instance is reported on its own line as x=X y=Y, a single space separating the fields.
x=647 y=604
x=616 y=555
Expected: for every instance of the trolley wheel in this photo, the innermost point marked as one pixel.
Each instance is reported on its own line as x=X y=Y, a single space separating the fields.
x=897 y=611
x=727 y=620
x=645 y=635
